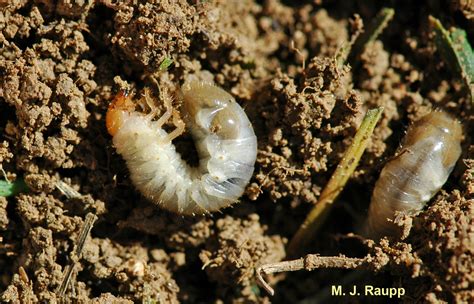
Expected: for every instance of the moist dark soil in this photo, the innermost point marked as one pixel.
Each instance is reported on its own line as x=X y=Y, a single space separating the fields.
x=61 y=64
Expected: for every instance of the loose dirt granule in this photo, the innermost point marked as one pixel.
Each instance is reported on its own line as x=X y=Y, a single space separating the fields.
x=238 y=247
x=131 y=271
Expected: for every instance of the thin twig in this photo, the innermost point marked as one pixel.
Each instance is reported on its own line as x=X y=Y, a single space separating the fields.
x=86 y=229
x=309 y=263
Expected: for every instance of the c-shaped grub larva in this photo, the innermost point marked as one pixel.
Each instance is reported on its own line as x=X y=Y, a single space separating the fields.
x=426 y=158
x=223 y=136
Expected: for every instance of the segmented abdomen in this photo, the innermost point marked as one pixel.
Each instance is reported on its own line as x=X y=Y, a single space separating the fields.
x=424 y=163
x=224 y=139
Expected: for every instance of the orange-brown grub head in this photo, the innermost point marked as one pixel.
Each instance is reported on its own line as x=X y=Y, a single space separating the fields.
x=114 y=117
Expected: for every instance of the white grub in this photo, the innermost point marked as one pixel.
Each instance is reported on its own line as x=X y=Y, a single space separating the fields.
x=223 y=136
x=424 y=162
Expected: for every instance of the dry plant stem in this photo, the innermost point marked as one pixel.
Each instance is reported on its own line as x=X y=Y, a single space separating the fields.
x=67 y=190
x=338 y=180
x=374 y=29
x=309 y=263
x=86 y=229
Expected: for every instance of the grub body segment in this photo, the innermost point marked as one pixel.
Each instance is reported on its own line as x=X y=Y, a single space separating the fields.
x=224 y=139
x=424 y=162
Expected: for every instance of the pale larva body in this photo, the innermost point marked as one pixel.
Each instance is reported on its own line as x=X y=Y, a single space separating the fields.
x=224 y=139
x=426 y=158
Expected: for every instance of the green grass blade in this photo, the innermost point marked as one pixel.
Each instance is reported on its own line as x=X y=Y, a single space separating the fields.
x=456 y=51
x=12 y=188
x=165 y=64
x=372 y=32
x=336 y=184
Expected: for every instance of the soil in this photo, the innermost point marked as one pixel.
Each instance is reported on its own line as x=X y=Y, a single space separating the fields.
x=61 y=63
